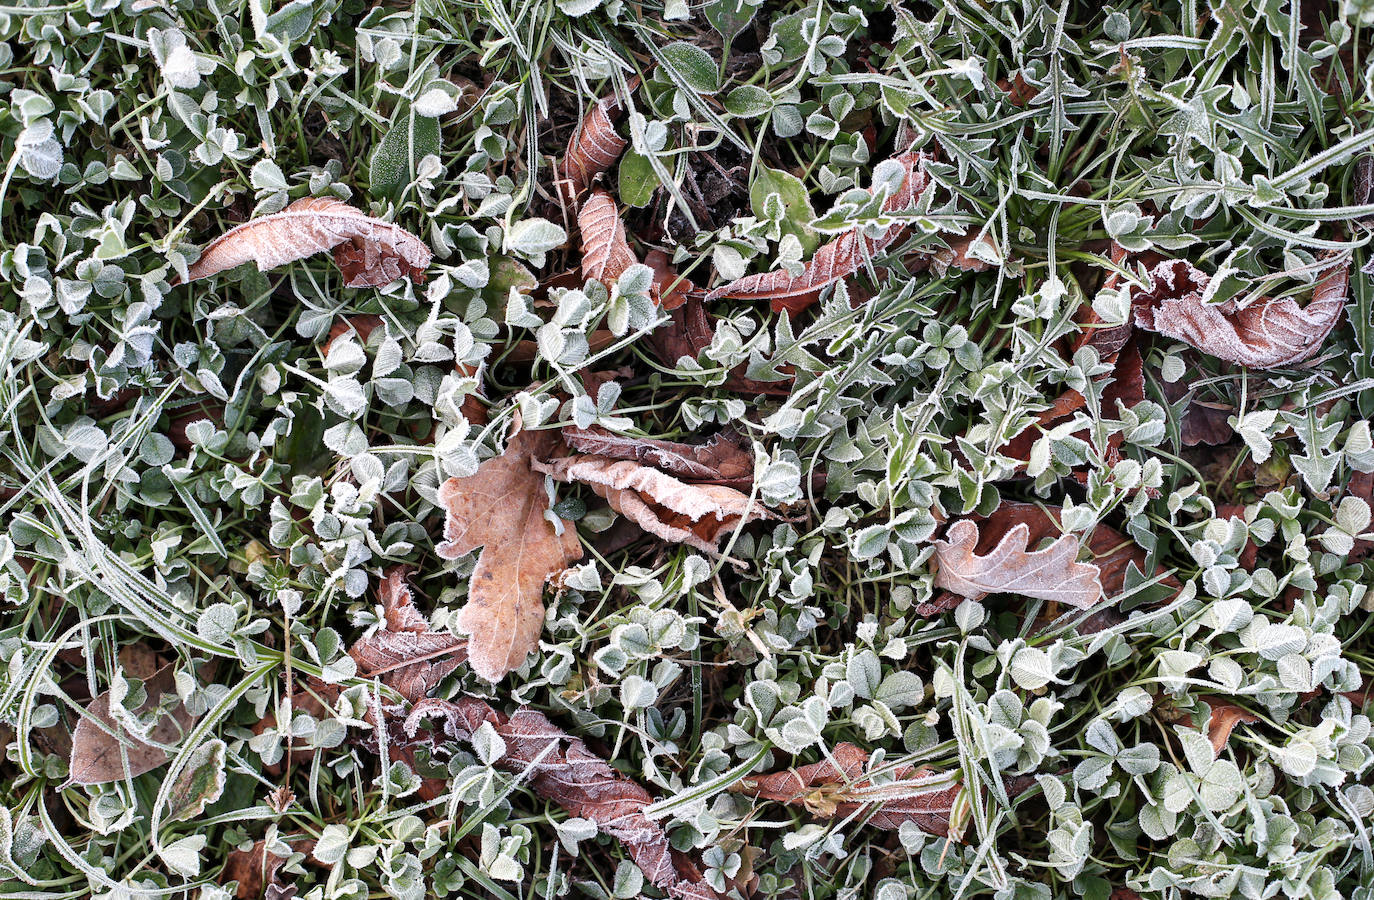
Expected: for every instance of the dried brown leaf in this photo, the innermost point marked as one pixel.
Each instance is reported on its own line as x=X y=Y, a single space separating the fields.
x=1049 y=574
x=369 y=251
x=698 y=515
x=501 y=509
x=669 y=289
x=839 y=258
x=689 y=330
x=406 y=655
x=253 y=869
x=1267 y=333
x=957 y=255
x=562 y=769
x=841 y=788
x=1224 y=718
x=1361 y=485
x=723 y=459
x=594 y=148
x=605 y=252
x=101 y=755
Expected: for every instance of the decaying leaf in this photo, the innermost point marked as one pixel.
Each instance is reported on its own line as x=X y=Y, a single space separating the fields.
x=723 y=459
x=256 y=870
x=841 y=788
x=967 y=252
x=840 y=258
x=689 y=331
x=369 y=251
x=605 y=252
x=594 y=148
x=562 y=769
x=106 y=752
x=1267 y=333
x=1224 y=718
x=698 y=515
x=1050 y=574
x=199 y=783
x=501 y=509
x=669 y=289
x=406 y=655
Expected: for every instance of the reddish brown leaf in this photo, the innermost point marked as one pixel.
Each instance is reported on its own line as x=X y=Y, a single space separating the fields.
x=1223 y=719
x=670 y=290
x=501 y=509
x=594 y=148
x=724 y=459
x=841 y=788
x=562 y=769
x=406 y=655
x=362 y=326
x=1267 y=333
x=106 y=752
x=1049 y=574
x=956 y=255
x=1361 y=485
x=256 y=870
x=699 y=515
x=369 y=251
x=605 y=252
x=840 y=258
x=689 y=331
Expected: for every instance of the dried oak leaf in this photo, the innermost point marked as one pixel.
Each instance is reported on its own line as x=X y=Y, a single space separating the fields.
x=561 y=768
x=1267 y=333
x=841 y=788
x=1224 y=718
x=369 y=251
x=1050 y=574
x=406 y=655
x=594 y=148
x=698 y=515
x=605 y=252
x=501 y=509
x=723 y=459
x=105 y=752
x=837 y=259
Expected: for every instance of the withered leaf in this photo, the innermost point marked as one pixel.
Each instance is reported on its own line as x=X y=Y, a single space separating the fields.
x=561 y=768
x=1267 y=333
x=723 y=459
x=1224 y=718
x=106 y=752
x=698 y=515
x=689 y=330
x=839 y=258
x=669 y=289
x=594 y=148
x=964 y=252
x=256 y=870
x=501 y=509
x=1361 y=485
x=841 y=788
x=605 y=252
x=1050 y=574
x=369 y=251
x=406 y=655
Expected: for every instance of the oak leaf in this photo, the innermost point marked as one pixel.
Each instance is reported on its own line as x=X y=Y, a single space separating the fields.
x=698 y=515
x=405 y=654
x=501 y=509
x=1267 y=333
x=1050 y=574
x=104 y=752
x=594 y=148
x=839 y=258
x=369 y=251
x=605 y=252
x=723 y=459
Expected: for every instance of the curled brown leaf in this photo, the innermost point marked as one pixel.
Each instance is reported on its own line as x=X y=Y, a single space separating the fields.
x=406 y=655
x=1224 y=718
x=594 y=148
x=1267 y=333
x=369 y=251
x=1050 y=574
x=839 y=258
x=723 y=459
x=605 y=252
x=501 y=510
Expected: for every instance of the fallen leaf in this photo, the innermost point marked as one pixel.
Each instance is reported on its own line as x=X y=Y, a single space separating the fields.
x=406 y=655
x=594 y=148
x=501 y=509
x=837 y=259
x=1361 y=485
x=369 y=251
x=605 y=252
x=698 y=515
x=101 y=755
x=841 y=788
x=723 y=459
x=669 y=289
x=1267 y=333
x=1224 y=718
x=561 y=768
x=256 y=870
x=957 y=254
x=199 y=783
x=688 y=331
x=1049 y=574
x=362 y=326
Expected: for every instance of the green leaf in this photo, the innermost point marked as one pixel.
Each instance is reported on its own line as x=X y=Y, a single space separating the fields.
x=748 y=101
x=199 y=784
x=397 y=157
x=729 y=16
x=695 y=65
x=637 y=180
x=796 y=202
